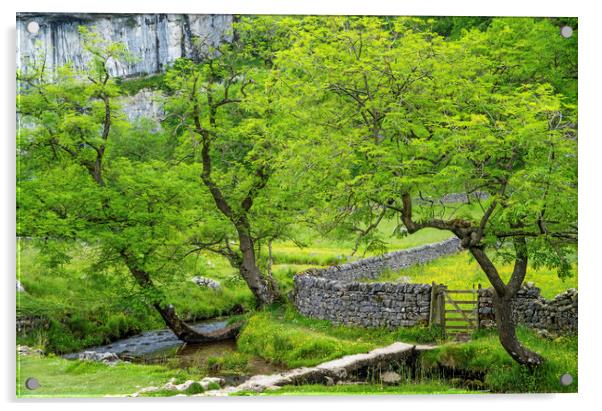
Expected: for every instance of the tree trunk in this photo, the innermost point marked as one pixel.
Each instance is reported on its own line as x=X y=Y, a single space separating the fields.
x=189 y=335
x=507 y=333
x=182 y=330
x=263 y=287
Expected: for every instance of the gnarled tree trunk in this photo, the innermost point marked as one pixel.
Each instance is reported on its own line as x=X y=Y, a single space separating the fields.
x=507 y=333
x=502 y=301
x=182 y=330
x=264 y=288
x=189 y=335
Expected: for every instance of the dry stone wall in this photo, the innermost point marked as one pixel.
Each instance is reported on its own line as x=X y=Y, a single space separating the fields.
x=335 y=293
x=363 y=304
x=559 y=315
x=373 y=267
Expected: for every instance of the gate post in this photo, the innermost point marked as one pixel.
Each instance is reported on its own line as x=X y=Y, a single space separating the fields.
x=433 y=303
x=441 y=304
x=478 y=313
x=437 y=313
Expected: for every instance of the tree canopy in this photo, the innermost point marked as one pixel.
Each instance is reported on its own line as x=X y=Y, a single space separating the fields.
x=338 y=122
x=415 y=115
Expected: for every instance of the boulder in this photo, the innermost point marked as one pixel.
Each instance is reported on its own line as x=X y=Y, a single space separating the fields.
x=178 y=387
x=104 y=357
x=543 y=333
x=390 y=377
x=147 y=389
x=206 y=282
x=207 y=383
x=210 y=382
x=26 y=350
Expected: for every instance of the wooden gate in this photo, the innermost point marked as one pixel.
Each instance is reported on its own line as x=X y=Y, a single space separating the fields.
x=456 y=311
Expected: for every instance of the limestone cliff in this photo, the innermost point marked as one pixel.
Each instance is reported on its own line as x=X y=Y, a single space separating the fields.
x=154 y=39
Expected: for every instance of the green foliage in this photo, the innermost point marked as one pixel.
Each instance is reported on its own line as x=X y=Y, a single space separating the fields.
x=462 y=272
x=142 y=143
x=231 y=363
x=502 y=374
x=454 y=27
x=85 y=307
x=406 y=113
x=133 y=86
x=314 y=126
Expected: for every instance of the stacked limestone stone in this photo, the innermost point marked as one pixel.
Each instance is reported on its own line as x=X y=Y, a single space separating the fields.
x=335 y=294
x=363 y=304
x=529 y=308
x=373 y=267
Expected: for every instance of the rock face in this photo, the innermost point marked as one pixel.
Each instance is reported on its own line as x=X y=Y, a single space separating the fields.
x=335 y=294
x=559 y=315
x=155 y=40
x=144 y=104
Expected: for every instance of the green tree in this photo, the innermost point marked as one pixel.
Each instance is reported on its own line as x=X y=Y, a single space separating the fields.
x=232 y=127
x=412 y=115
x=75 y=184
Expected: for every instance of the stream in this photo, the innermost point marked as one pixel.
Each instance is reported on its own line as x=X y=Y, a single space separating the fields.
x=162 y=347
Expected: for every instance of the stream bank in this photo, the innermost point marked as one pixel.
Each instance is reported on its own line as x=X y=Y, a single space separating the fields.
x=163 y=347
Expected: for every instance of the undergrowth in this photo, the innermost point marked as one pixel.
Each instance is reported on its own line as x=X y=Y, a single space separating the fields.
x=484 y=354
x=283 y=336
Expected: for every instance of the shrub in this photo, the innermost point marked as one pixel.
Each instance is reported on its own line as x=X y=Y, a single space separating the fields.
x=484 y=354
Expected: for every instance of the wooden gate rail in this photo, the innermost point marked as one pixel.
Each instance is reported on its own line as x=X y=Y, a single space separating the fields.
x=468 y=319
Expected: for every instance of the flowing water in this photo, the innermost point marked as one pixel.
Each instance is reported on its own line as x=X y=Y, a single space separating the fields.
x=163 y=347
x=221 y=358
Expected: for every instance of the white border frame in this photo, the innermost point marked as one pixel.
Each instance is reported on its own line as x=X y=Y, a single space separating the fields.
x=589 y=196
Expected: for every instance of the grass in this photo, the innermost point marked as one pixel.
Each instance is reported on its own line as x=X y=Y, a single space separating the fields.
x=293 y=346
x=460 y=271
x=234 y=363
x=327 y=251
x=484 y=354
x=84 y=306
x=283 y=336
x=63 y=378
x=425 y=387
